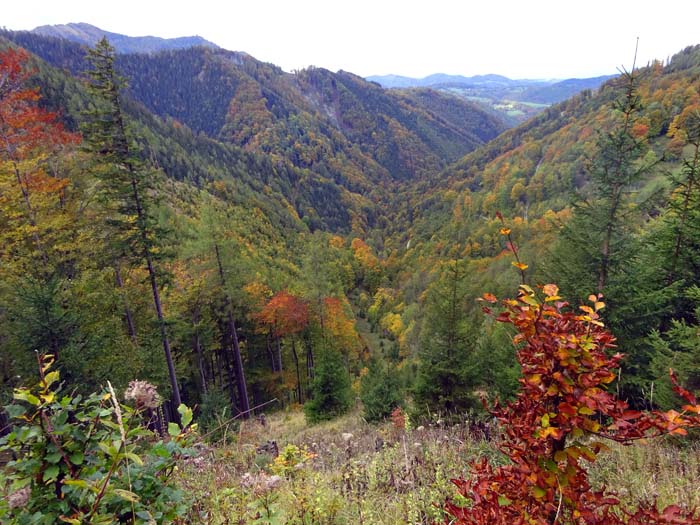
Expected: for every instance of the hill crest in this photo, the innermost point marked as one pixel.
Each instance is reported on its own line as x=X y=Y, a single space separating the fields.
x=89 y=35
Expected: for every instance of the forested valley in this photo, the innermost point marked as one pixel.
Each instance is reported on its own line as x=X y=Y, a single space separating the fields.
x=321 y=300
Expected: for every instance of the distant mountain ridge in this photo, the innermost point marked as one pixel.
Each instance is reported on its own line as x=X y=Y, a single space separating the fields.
x=89 y=35
x=399 y=81
x=516 y=100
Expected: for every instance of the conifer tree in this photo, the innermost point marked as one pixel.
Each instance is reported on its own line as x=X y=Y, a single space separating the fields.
x=126 y=183
x=380 y=391
x=446 y=373
x=331 y=393
x=596 y=243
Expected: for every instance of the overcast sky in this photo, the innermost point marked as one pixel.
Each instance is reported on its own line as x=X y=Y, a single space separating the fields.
x=516 y=38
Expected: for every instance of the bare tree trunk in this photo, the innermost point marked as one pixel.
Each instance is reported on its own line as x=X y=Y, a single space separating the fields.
x=128 y=317
x=272 y=352
x=177 y=401
x=310 y=360
x=300 y=397
x=237 y=360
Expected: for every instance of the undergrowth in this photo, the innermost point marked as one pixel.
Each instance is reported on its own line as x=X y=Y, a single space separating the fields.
x=346 y=471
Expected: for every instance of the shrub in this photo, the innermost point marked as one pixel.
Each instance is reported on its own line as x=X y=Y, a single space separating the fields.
x=557 y=421
x=87 y=460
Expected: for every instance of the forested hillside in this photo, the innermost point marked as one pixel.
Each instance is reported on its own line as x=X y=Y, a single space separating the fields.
x=89 y=35
x=246 y=239
x=597 y=193
x=370 y=160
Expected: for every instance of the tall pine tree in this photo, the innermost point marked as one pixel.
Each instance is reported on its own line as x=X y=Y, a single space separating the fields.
x=126 y=183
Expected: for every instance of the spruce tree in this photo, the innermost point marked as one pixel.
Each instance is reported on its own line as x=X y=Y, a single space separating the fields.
x=380 y=391
x=126 y=183
x=331 y=393
x=446 y=373
x=595 y=245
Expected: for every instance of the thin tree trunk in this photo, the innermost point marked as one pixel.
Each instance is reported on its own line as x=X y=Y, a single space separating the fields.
x=300 y=398
x=177 y=401
x=310 y=360
x=226 y=354
x=233 y=334
x=128 y=317
x=309 y=363
x=278 y=355
x=141 y=217
x=271 y=352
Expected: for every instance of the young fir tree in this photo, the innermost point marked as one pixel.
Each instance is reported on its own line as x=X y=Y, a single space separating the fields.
x=446 y=373
x=595 y=244
x=380 y=391
x=331 y=393
x=596 y=249
x=126 y=184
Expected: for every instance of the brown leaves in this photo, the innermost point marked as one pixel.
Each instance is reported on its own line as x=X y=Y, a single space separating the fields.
x=566 y=367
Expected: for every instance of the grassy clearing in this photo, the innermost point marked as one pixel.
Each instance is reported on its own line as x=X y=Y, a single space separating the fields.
x=348 y=472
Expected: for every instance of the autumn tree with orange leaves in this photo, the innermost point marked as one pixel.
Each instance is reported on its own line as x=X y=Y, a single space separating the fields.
x=285 y=316
x=32 y=200
x=39 y=221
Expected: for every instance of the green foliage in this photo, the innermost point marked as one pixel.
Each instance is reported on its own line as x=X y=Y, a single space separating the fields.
x=497 y=367
x=596 y=243
x=331 y=393
x=290 y=461
x=447 y=374
x=380 y=391
x=214 y=411
x=87 y=460
x=677 y=348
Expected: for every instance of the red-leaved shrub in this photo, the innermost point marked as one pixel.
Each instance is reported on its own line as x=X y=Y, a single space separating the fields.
x=559 y=421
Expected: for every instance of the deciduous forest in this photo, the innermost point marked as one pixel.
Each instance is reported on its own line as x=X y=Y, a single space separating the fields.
x=231 y=294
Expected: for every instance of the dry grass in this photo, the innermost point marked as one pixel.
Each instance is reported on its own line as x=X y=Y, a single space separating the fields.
x=376 y=475
x=660 y=470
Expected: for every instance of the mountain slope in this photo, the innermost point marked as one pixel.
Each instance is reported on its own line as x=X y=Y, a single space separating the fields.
x=336 y=125
x=317 y=119
x=89 y=35
x=532 y=171
x=292 y=199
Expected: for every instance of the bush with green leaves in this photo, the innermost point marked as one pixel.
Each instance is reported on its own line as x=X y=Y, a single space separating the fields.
x=88 y=460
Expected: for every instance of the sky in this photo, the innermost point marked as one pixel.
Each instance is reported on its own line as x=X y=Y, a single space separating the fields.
x=515 y=38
